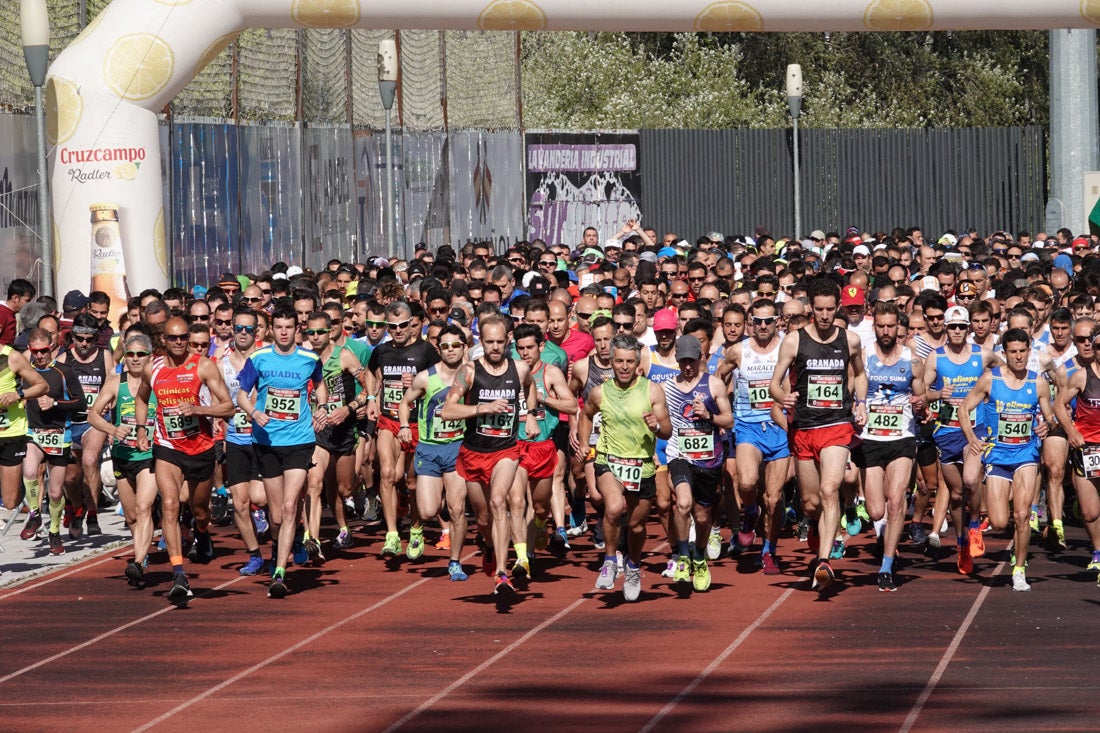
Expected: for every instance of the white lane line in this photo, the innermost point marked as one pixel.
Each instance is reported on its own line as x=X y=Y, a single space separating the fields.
x=107 y=634
x=58 y=576
x=949 y=653
x=276 y=657
x=484 y=665
x=656 y=720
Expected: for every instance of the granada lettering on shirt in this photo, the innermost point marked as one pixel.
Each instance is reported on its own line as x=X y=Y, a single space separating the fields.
x=825 y=364
x=488 y=395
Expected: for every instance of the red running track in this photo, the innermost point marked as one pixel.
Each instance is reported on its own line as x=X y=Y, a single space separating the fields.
x=361 y=645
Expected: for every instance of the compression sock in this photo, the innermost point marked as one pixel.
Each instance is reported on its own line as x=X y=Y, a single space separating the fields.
x=177 y=563
x=682 y=548
x=887 y=565
x=34 y=493
x=521 y=550
x=57 y=508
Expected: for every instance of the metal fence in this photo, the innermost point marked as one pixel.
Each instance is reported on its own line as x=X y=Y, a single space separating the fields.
x=696 y=181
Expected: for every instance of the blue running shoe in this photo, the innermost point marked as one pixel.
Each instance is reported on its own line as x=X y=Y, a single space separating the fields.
x=454 y=569
x=254 y=566
x=299 y=554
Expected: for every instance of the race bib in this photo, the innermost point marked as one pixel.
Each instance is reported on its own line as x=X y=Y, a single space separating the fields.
x=392 y=392
x=1090 y=458
x=496 y=425
x=51 y=441
x=5 y=421
x=695 y=444
x=1013 y=429
x=177 y=426
x=949 y=412
x=444 y=431
x=825 y=391
x=760 y=397
x=283 y=404
x=884 y=421
x=628 y=471
x=241 y=424
x=91 y=391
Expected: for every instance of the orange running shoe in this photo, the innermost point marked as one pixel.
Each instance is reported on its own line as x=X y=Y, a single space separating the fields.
x=977 y=542
x=444 y=541
x=966 y=563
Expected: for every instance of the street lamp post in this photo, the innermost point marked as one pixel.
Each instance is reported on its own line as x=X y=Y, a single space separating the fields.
x=35 y=26
x=387 y=87
x=794 y=101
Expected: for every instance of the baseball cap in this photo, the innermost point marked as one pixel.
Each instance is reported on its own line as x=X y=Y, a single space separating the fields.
x=199 y=291
x=851 y=295
x=688 y=347
x=666 y=252
x=928 y=282
x=861 y=249
x=1029 y=257
x=966 y=288
x=665 y=320
x=957 y=314
x=74 y=301
x=293 y=270
x=228 y=278
x=818 y=235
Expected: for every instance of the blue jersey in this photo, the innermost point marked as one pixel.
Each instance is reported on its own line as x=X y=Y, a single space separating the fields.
x=889 y=412
x=1012 y=434
x=282 y=384
x=658 y=372
x=956 y=381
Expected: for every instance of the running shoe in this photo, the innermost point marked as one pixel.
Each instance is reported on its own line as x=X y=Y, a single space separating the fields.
x=415 y=548
x=986 y=525
x=965 y=562
x=203 y=549
x=823 y=576
x=277 y=588
x=371 y=506
x=852 y=523
x=503 y=585
x=254 y=566
x=670 y=569
x=597 y=537
x=837 y=552
x=313 y=550
x=488 y=562
x=559 y=541
x=1019 y=580
x=444 y=540
x=1094 y=565
x=542 y=537
x=259 y=520
x=135 y=575
x=813 y=539
x=606 y=579
x=700 y=576
x=298 y=552
x=934 y=540
x=886 y=583
x=521 y=569
x=769 y=564
x=455 y=571
x=392 y=546
x=579 y=530
x=1033 y=521
x=632 y=584
x=861 y=512
x=30 y=529
x=804 y=530
x=91 y=525
x=714 y=544
x=1060 y=536
x=343 y=541
x=917 y=534
x=790 y=516
x=683 y=570
x=976 y=542
x=56 y=548
x=76 y=526
x=181 y=589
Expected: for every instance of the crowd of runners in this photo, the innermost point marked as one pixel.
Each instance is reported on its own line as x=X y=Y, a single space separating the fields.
x=744 y=392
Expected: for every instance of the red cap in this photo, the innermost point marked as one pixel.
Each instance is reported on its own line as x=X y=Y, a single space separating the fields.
x=851 y=295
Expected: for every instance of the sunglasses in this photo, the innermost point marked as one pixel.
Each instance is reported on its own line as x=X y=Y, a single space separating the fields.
x=764 y=321
x=451 y=344
x=444 y=309
x=928 y=317
x=375 y=324
x=136 y=354
x=266 y=291
x=957 y=326
x=1083 y=339
x=548 y=263
x=177 y=337
x=83 y=339
x=199 y=344
x=45 y=350
x=624 y=324
x=251 y=299
x=965 y=297
x=243 y=329
x=697 y=279
x=402 y=324
x=201 y=318
x=222 y=322
x=583 y=316
x=677 y=295
x=315 y=331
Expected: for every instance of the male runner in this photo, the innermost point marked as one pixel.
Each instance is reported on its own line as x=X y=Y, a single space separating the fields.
x=492 y=395
x=19 y=381
x=824 y=363
x=889 y=443
x=183 y=443
x=284 y=428
x=1012 y=397
x=439 y=443
x=633 y=415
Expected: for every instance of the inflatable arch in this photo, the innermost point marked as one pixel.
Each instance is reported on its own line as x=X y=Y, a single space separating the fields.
x=104 y=90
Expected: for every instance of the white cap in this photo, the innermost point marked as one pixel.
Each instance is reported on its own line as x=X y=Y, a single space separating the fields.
x=293 y=270
x=957 y=314
x=861 y=249
x=928 y=282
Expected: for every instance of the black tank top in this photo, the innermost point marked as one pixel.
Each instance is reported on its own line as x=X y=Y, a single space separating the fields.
x=91 y=376
x=821 y=380
x=488 y=433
